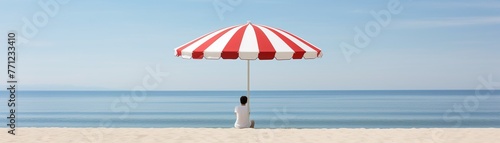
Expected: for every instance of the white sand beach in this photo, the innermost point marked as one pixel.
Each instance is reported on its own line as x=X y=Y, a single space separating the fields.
x=215 y=135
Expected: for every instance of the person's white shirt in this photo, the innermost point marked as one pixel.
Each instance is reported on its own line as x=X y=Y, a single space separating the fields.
x=242 y=117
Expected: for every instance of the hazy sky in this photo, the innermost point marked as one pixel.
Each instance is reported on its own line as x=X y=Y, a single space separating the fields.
x=108 y=45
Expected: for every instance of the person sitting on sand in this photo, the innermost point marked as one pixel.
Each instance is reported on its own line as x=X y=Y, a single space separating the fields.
x=243 y=115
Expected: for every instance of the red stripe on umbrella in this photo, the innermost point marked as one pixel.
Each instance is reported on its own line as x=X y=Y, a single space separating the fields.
x=233 y=46
x=305 y=42
x=299 y=52
x=198 y=52
x=179 y=50
x=266 y=49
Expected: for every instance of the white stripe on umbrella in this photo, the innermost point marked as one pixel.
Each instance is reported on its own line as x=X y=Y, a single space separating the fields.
x=189 y=48
x=283 y=51
x=311 y=50
x=249 y=42
x=214 y=51
x=298 y=52
x=249 y=50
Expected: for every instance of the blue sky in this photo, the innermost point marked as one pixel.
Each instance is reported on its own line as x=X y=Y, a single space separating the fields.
x=107 y=45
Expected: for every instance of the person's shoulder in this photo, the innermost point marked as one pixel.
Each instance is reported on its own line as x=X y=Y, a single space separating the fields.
x=238 y=107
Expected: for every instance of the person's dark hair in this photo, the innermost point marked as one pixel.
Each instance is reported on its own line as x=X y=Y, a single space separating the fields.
x=243 y=99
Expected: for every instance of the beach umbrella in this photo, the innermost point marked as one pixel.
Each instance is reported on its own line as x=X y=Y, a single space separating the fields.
x=248 y=42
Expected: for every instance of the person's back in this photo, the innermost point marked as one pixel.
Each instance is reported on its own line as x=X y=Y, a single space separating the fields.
x=242 y=115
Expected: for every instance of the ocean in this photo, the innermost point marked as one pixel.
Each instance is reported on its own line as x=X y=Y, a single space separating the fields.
x=269 y=109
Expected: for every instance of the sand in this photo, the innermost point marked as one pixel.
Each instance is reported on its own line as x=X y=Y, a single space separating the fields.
x=216 y=135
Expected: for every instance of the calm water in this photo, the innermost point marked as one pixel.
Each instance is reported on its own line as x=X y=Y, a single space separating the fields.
x=270 y=109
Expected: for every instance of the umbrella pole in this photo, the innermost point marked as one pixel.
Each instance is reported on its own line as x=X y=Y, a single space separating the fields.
x=248 y=84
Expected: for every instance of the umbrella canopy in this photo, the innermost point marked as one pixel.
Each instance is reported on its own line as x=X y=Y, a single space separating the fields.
x=249 y=42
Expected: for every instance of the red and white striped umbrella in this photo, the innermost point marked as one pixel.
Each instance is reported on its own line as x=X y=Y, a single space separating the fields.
x=249 y=42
